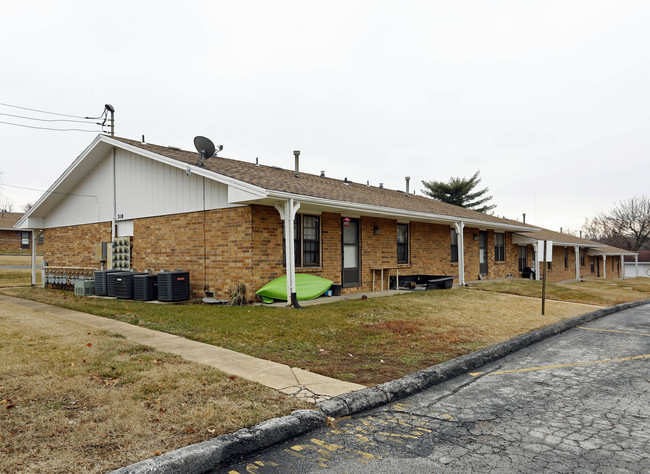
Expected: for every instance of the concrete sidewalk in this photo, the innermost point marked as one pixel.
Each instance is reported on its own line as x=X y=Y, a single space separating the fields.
x=292 y=381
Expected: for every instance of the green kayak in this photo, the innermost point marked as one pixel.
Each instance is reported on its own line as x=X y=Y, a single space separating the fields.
x=308 y=287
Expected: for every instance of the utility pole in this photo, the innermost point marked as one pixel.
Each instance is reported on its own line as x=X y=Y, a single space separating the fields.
x=111 y=109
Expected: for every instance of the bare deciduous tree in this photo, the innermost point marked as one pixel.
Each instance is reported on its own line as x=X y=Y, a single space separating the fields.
x=627 y=225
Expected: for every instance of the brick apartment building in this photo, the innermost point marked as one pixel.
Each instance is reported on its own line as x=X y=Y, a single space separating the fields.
x=225 y=222
x=12 y=239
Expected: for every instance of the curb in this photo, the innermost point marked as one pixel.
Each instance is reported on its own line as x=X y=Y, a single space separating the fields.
x=209 y=455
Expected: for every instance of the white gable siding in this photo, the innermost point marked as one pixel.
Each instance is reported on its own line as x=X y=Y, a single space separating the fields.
x=148 y=188
x=144 y=188
x=90 y=201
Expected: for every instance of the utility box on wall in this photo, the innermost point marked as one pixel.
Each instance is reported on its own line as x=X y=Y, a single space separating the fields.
x=104 y=253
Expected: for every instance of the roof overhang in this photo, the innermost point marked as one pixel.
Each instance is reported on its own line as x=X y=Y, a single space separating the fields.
x=98 y=149
x=610 y=253
x=526 y=240
x=359 y=209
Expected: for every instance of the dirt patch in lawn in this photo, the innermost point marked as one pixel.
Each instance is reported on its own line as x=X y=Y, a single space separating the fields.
x=74 y=399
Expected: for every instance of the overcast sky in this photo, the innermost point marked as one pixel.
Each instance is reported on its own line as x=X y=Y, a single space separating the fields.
x=550 y=100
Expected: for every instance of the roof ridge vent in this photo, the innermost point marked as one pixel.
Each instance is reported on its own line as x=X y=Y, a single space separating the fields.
x=322 y=174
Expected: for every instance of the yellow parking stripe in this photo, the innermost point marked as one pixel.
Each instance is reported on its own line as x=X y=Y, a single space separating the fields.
x=612 y=330
x=560 y=366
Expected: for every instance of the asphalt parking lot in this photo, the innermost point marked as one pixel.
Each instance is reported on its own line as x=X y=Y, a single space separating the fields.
x=577 y=402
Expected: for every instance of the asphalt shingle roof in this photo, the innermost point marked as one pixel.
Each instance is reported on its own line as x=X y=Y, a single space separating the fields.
x=8 y=219
x=283 y=180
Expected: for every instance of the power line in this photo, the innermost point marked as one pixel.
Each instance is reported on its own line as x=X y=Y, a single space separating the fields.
x=55 y=129
x=54 y=113
x=47 y=120
x=49 y=192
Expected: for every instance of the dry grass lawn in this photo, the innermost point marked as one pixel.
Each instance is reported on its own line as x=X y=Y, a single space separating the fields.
x=20 y=259
x=80 y=400
x=591 y=291
x=73 y=399
x=10 y=277
x=363 y=341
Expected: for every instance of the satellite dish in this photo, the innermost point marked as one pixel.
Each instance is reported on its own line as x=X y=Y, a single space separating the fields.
x=205 y=147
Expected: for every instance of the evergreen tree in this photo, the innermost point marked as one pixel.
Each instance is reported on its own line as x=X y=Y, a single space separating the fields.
x=458 y=191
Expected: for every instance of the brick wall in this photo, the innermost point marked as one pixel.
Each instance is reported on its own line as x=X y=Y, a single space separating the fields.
x=74 y=246
x=216 y=260
x=10 y=240
x=244 y=245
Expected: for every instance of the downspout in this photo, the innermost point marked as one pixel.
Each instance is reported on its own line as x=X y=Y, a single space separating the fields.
x=293 y=208
x=460 y=239
x=577 y=251
x=114 y=218
x=288 y=214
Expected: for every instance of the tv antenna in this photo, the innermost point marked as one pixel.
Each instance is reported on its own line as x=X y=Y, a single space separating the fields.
x=206 y=148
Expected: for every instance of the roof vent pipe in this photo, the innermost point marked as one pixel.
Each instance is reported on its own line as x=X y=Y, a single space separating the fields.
x=296 y=154
x=381 y=185
x=346 y=180
x=524 y=214
x=408 y=178
x=581 y=234
x=560 y=230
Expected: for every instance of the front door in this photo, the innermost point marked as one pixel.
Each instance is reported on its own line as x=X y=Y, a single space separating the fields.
x=350 y=253
x=482 y=252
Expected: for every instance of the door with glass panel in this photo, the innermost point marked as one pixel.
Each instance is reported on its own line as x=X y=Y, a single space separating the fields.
x=350 y=252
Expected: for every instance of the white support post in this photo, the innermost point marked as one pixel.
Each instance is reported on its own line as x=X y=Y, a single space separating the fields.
x=33 y=257
x=536 y=260
x=577 y=252
x=288 y=214
x=604 y=267
x=636 y=264
x=460 y=240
